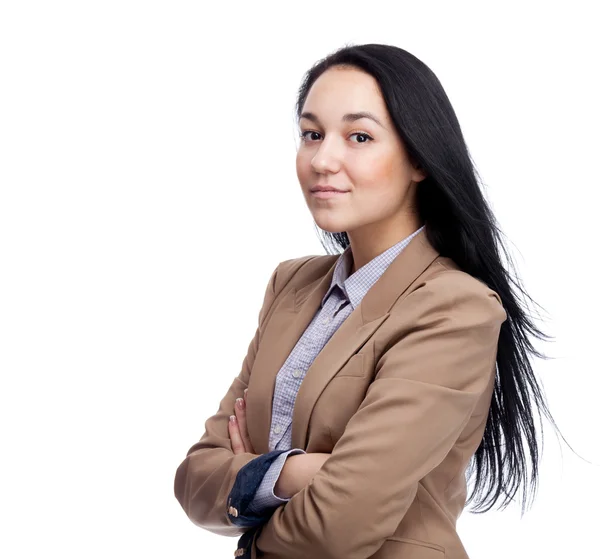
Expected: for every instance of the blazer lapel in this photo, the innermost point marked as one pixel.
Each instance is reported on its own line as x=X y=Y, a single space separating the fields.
x=284 y=328
x=291 y=318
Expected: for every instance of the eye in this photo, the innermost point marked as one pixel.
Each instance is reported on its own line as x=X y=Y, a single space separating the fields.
x=303 y=134
x=362 y=134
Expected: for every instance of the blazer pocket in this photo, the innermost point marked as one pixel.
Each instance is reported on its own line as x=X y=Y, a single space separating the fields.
x=354 y=367
x=407 y=548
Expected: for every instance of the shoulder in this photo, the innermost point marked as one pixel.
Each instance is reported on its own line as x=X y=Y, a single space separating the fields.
x=445 y=288
x=444 y=330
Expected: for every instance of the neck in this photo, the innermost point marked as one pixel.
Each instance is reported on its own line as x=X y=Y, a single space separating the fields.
x=371 y=240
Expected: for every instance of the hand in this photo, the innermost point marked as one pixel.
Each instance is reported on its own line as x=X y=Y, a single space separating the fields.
x=238 y=430
x=297 y=472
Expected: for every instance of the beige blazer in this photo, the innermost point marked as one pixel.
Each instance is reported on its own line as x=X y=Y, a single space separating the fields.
x=399 y=396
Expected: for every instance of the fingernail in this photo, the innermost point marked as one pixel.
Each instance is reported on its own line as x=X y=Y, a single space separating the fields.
x=240 y=402
x=232 y=418
x=246 y=390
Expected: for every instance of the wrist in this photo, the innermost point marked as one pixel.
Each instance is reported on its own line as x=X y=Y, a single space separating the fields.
x=284 y=486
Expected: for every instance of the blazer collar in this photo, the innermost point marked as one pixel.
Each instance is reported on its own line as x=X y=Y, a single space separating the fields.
x=356 y=285
x=292 y=316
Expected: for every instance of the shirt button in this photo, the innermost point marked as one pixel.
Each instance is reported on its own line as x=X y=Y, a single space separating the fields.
x=277 y=429
x=296 y=373
x=326 y=320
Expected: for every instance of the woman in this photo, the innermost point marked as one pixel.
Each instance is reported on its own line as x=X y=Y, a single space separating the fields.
x=376 y=376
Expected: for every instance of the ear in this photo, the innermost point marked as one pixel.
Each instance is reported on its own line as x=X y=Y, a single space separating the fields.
x=418 y=173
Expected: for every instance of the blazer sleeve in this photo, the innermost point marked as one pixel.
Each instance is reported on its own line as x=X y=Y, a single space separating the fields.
x=205 y=478
x=427 y=384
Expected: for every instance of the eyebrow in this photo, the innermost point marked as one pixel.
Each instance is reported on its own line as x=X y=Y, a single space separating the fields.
x=348 y=117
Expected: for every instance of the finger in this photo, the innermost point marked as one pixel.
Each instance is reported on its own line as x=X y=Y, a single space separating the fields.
x=240 y=412
x=237 y=445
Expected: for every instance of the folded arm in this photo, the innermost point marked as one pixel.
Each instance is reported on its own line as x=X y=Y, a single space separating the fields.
x=276 y=485
x=426 y=386
x=265 y=498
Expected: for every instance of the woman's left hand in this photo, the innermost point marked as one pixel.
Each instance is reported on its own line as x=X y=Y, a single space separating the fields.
x=238 y=430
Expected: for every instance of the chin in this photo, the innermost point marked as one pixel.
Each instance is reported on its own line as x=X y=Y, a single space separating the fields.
x=331 y=225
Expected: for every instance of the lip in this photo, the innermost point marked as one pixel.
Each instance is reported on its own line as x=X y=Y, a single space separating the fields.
x=327 y=193
x=326 y=187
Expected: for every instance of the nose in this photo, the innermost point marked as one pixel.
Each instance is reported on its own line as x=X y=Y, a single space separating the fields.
x=327 y=158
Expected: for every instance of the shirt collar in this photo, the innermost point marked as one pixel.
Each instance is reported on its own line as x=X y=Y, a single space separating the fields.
x=355 y=286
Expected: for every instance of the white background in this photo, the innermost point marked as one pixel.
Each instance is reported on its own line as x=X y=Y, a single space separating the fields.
x=148 y=190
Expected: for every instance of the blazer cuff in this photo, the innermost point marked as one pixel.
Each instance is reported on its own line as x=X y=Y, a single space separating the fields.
x=246 y=483
x=246 y=542
x=265 y=497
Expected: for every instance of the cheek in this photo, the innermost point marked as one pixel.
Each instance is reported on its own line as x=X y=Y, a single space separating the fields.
x=383 y=169
x=303 y=169
x=382 y=174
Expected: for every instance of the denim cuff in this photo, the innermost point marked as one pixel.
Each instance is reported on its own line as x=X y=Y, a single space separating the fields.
x=247 y=481
x=265 y=497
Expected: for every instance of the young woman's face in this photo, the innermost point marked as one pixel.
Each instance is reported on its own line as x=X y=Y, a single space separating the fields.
x=365 y=158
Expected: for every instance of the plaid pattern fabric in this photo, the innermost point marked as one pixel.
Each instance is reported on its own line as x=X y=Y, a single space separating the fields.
x=343 y=296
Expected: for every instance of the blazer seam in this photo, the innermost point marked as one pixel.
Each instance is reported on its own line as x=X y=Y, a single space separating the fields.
x=462 y=457
x=439 y=506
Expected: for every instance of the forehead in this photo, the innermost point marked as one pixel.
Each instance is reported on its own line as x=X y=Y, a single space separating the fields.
x=341 y=90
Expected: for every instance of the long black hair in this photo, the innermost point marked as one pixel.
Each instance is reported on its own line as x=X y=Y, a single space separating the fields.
x=460 y=225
